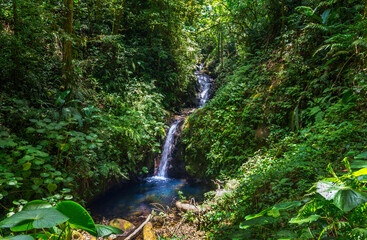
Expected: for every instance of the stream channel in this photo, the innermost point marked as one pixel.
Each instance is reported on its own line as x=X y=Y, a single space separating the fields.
x=135 y=199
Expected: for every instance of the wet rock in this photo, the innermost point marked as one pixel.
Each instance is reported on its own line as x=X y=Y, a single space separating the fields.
x=148 y=232
x=122 y=224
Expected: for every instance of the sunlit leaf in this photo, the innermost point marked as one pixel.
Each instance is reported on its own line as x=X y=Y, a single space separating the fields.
x=19 y=237
x=105 y=231
x=344 y=197
x=309 y=219
x=40 y=218
x=78 y=216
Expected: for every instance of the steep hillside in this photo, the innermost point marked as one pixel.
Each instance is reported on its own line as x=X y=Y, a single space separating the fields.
x=288 y=108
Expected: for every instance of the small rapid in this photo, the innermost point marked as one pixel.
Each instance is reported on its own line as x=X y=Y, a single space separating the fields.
x=205 y=84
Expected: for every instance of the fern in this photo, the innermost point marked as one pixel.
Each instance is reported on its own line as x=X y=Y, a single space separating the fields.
x=317 y=26
x=310 y=208
x=360 y=43
x=322 y=48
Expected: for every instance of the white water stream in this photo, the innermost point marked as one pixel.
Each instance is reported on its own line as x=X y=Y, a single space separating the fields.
x=168 y=148
x=205 y=84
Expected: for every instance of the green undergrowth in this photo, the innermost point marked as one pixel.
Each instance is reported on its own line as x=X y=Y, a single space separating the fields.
x=76 y=148
x=280 y=119
x=274 y=137
x=71 y=129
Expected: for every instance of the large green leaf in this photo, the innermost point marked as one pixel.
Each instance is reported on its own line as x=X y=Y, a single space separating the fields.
x=309 y=219
x=361 y=156
x=105 y=231
x=38 y=218
x=287 y=205
x=19 y=237
x=79 y=218
x=23 y=226
x=344 y=197
x=274 y=211
x=360 y=161
x=260 y=214
x=256 y=222
x=347 y=199
x=361 y=174
x=328 y=189
x=27 y=225
x=357 y=164
x=36 y=204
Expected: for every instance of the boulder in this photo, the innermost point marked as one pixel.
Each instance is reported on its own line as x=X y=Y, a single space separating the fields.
x=122 y=224
x=148 y=232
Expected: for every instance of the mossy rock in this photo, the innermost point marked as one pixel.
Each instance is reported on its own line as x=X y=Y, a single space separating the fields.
x=122 y=224
x=148 y=232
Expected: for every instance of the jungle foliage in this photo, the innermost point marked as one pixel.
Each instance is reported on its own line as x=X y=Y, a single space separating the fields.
x=40 y=220
x=85 y=89
x=289 y=106
x=87 y=86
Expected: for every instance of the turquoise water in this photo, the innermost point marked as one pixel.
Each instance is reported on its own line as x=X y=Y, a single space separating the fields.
x=137 y=199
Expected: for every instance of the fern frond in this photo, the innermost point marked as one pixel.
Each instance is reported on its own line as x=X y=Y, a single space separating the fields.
x=325 y=230
x=340 y=38
x=360 y=43
x=322 y=48
x=317 y=26
x=309 y=208
x=341 y=53
x=343 y=224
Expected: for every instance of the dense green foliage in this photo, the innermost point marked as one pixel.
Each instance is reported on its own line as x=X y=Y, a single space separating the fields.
x=48 y=222
x=85 y=90
x=86 y=87
x=290 y=100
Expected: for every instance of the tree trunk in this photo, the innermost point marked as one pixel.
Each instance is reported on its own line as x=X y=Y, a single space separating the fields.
x=67 y=70
x=117 y=22
x=219 y=45
x=15 y=50
x=15 y=18
x=283 y=25
x=89 y=12
x=222 y=48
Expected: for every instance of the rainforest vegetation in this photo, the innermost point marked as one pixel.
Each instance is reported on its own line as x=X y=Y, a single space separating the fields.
x=87 y=88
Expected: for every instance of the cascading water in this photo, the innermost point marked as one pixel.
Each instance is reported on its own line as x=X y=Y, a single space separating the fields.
x=205 y=84
x=201 y=67
x=168 y=148
x=130 y=199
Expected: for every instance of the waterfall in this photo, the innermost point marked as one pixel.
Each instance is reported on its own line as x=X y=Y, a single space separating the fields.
x=168 y=149
x=160 y=188
x=205 y=84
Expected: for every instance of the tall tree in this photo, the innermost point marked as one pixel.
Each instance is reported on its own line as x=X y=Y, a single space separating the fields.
x=67 y=69
x=118 y=16
x=15 y=50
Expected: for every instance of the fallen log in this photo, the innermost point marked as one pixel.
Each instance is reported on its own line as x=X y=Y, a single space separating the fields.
x=139 y=228
x=187 y=207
